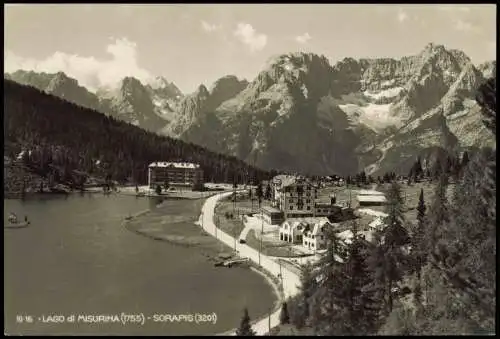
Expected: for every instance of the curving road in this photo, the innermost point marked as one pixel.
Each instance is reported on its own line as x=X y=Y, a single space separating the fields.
x=290 y=279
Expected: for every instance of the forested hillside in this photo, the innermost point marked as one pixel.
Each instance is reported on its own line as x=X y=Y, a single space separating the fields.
x=54 y=133
x=434 y=276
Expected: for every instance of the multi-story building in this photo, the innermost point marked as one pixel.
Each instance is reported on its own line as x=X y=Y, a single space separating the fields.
x=295 y=196
x=174 y=173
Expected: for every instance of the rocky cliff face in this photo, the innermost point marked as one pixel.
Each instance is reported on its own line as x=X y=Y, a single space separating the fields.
x=284 y=115
x=302 y=114
x=132 y=103
x=195 y=109
x=488 y=69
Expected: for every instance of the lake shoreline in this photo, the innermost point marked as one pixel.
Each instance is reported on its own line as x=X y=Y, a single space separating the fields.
x=209 y=245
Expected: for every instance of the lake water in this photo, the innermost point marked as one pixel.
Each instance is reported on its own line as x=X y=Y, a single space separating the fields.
x=77 y=258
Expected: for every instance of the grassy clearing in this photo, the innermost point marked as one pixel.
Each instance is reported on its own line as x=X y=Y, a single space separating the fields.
x=234 y=226
x=281 y=249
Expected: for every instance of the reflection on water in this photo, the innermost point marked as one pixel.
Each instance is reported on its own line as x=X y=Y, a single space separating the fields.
x=77 y=258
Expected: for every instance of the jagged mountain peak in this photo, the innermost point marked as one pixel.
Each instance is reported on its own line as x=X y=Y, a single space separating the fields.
x=488 y=68
x=227 y=80
x=201 y=91
x=159 y=82
x=61 y=79
x=132 y=88
x=432 y=47
x=162 y=87
x=130 y=81
x=297 y=60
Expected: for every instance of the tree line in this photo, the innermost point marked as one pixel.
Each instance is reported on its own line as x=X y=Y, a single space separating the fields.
x=60 y=138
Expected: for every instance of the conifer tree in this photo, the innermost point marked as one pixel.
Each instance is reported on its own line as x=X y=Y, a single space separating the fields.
x=245 y=328
x=268 y=192
x=438 y=213
x=259 y=193
x=284 y=316
x=301 y=303
x=395 y=234
x=363 y=302
x=464 y=162
x=418 y=237
x=329 y=295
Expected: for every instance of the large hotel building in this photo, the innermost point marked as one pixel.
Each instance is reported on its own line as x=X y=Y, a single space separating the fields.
x=175 y=173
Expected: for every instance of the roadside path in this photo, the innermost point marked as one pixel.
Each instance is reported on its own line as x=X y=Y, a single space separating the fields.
x=290 y=279
x=244 y=233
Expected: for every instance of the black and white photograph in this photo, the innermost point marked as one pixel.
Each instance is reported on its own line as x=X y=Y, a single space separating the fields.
x=250 y=169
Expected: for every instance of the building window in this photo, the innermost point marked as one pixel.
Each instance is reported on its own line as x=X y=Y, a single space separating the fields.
x=308 y=208
x=290 y=201
x=291 y=207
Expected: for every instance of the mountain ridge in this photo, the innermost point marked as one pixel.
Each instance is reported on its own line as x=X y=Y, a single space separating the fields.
x=301 y=113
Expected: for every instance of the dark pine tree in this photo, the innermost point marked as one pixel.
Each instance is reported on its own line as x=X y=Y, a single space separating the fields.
x=245 y=328
x=284 y=316
x=464 y=162
x=438 y=213
x=268 y=194
x=395 y=234
x=418 y=237
x=363 y=303
x=259 y=192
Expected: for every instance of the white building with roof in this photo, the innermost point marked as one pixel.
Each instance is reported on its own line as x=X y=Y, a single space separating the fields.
x=174 y=173
x=369 y=192
x=292 y=231
x=371 y=200
x=314 y=237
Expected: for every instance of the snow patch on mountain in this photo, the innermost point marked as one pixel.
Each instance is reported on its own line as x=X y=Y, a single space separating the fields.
x=387 y=93
x=375 y=116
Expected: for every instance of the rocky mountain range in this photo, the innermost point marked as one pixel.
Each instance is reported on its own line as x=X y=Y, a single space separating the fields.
x=302 y=114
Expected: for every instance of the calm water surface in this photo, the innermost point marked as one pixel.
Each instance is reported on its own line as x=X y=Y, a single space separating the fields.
x=77 y=258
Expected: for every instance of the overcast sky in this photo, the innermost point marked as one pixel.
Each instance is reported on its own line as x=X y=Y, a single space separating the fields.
x=194 y=44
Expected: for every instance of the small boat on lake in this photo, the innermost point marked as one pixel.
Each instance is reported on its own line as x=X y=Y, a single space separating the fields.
x=14 y=223
x=18 y=225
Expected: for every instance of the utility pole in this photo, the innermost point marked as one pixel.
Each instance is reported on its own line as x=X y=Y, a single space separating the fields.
x=269 y=323
x=261 y=232
x=350 y=197
x=260 y=249
x=281 y=275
